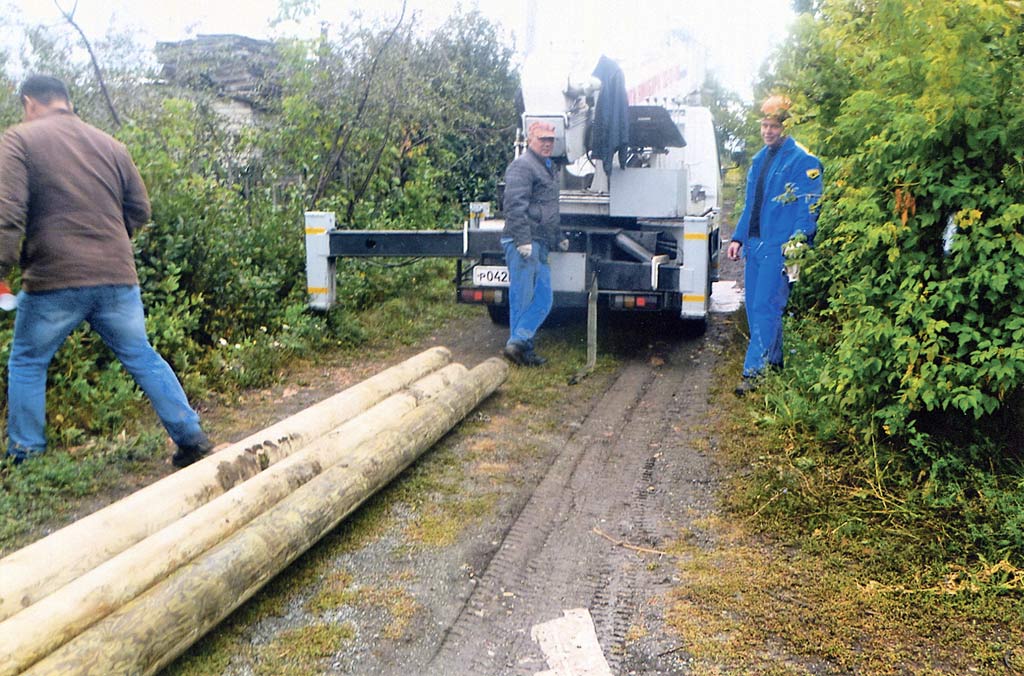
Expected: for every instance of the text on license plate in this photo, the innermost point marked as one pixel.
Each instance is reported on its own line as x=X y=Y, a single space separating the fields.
x=490 y=275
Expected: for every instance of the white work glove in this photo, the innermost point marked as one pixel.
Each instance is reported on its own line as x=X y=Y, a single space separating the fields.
x=525 y=250
x=563 y=245
x=8 y=301
x=791 y=251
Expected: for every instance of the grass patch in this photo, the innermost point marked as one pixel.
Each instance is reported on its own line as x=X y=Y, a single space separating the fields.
x=565 y=351
x=753 y=602
x=363 y=526
x=336 y=591
x=51 y=487
x=207 y=662
x=302 y=650
x=440 y=524
x=400 y=606
x=396 y=602
x=409 y=317
x=824 y=565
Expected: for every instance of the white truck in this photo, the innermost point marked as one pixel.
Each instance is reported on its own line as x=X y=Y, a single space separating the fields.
x=644 y=237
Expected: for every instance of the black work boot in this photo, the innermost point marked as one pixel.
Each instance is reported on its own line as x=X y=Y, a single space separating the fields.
x=516 y=354
x=746 y=386
x=533 y=359
x=189 y=453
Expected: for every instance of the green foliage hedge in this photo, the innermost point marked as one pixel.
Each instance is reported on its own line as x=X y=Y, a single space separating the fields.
x=386 y=126
x=918 y=111
x=908 y=322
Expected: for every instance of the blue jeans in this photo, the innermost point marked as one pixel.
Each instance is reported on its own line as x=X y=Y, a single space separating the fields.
x=767 y=291
x=43 y=323
x=529 y=292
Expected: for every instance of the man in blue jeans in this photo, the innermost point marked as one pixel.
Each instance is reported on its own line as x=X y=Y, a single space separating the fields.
x=70 y=199
x=531 y=230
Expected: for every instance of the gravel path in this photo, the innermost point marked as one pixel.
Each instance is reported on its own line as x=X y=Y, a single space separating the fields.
x=583 y=497
x=588 y=537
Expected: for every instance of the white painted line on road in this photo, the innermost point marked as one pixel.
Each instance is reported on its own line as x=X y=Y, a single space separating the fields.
x=726 y=296
x=570 y=645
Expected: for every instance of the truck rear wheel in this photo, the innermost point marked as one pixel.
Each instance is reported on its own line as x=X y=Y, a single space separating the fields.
x=694 y=327
x=684 y=327
x=499 y=314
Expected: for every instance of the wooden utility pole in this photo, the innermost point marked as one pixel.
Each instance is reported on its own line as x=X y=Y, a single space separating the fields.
x=146 y=634
x=31 y=573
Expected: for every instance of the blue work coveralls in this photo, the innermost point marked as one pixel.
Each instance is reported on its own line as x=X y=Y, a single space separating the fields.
x=792 y=188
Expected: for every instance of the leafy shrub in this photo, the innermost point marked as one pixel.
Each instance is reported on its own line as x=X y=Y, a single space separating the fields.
x=383 y=125
x=927 y=333
x=909 y=320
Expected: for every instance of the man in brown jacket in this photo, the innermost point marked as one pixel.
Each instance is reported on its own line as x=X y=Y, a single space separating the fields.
x=70 y=198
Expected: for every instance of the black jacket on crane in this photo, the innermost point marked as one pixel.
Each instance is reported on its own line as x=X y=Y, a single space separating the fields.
x=610 y=133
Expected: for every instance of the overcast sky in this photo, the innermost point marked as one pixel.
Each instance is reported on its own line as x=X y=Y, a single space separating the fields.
x=737 y=33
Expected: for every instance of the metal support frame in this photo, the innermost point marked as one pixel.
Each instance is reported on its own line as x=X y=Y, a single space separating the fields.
x=686 y=276
x=320 y=267
x=325 y=243
x=588 y=368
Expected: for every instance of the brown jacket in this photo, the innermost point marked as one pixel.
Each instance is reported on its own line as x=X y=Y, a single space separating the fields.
x=74 y=194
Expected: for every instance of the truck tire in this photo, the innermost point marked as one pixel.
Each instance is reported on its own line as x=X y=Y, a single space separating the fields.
x=694 y=327
x=683 y=327
x=499 y=314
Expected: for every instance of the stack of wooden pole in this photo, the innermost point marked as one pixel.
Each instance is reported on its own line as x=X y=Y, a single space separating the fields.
x=130 y=587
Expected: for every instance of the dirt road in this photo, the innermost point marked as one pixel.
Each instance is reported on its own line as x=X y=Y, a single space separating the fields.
x=551 y=501
x=563 y=498
x=633 y=471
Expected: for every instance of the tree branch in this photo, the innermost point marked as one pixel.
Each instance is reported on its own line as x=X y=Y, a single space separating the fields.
x=376 y=164
x=345 y=128
x=70 y=18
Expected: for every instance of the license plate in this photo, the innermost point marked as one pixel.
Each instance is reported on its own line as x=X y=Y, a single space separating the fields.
x=490 y=275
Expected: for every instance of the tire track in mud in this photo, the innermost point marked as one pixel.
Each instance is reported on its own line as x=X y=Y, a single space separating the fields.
x=624 y=471
x=483 y=637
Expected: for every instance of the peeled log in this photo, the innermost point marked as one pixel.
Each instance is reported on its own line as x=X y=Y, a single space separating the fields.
x=91 y=597
x=149 y=632
x=38 y=569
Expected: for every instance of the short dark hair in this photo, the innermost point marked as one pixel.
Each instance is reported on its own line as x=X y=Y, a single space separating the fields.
x=44 y=89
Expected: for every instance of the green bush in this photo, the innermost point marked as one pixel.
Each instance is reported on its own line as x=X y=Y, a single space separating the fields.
x=902 y=397
x=386 y=126
x=925 y=343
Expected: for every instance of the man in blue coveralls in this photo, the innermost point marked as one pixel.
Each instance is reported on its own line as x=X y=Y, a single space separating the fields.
x=531 y=230
x=783 y=188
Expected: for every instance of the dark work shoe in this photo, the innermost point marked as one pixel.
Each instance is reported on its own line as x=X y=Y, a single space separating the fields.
x=18 y=454
x=533 y=359
x=515 y=353
x=189 y=453
x=746 y=386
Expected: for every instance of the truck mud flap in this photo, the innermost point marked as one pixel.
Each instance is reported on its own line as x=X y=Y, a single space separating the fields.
x=635 y=276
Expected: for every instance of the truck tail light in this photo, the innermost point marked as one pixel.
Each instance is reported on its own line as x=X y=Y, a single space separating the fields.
x=482 y=296
x=630 y=301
